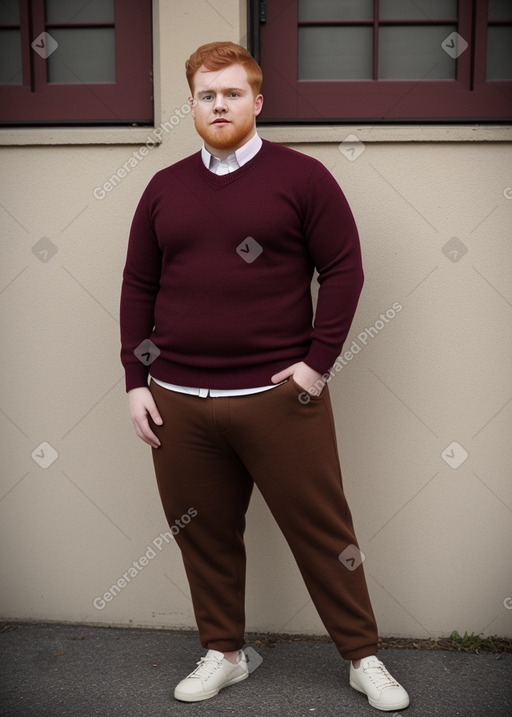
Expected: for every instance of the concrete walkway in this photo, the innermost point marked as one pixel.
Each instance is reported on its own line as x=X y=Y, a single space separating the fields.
x=51 y=670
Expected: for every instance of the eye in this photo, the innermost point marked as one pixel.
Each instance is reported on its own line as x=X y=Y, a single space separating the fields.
x=207 y=97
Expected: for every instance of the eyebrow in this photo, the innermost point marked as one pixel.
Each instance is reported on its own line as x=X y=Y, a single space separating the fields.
x=224 y=89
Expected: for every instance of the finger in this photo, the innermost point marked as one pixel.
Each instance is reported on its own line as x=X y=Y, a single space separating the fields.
x=149 y=436
x=155 y=416
x=143 y=431
x=282 y=375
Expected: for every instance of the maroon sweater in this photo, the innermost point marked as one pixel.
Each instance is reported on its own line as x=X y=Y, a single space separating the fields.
x=219 y=268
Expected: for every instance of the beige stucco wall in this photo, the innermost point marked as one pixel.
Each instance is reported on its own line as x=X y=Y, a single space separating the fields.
x=436 y=538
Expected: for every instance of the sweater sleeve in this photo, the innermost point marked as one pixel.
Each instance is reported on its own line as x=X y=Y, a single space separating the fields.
x=333 y=242
x=141 y=280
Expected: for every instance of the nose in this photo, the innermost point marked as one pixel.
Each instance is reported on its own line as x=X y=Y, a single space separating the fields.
x=220 y=103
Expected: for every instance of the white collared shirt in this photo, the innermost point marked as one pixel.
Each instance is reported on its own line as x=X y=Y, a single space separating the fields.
x=223 y=166
x=236 y=160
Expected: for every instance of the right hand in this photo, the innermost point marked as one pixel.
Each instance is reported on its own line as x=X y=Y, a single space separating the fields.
x=141 y=404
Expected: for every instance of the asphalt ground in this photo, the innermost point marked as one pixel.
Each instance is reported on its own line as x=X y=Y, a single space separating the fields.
x=61 y=670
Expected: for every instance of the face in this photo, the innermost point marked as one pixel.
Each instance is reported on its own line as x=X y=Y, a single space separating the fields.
x=224 y=108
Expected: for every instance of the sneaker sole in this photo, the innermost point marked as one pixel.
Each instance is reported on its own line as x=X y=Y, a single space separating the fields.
x=183 y=697
x=388 y=708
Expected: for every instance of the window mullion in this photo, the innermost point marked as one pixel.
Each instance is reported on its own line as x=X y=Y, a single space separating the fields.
x=465 y=62
x=375 y=40
x=480 y=43
x=39 y=64
x=26 y=39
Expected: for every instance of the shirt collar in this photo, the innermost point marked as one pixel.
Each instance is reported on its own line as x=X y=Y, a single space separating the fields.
x=242 y=155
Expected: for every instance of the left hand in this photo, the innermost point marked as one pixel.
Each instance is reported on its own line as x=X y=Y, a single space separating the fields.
x=306 y=377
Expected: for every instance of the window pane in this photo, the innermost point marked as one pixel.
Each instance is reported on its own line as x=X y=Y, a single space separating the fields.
x=499 y=53
x=500 y=10
x=77 y=11
x=10 y=58
x=417 y=10
x=83 y=55
x=335 y=53
x=9 y=12
x=335 y=9
x=415 y=53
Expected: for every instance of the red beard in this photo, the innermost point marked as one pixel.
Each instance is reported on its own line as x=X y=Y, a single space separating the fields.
x=229 y=136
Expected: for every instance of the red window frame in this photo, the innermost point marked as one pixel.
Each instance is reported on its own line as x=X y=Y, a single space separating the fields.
x=128 y=100
x=467 y=98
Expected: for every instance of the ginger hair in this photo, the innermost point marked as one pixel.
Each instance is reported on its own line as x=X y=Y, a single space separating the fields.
x=217 y=55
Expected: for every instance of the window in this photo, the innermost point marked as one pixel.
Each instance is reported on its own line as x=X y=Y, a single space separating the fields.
x=75 y=62
x=384 y=60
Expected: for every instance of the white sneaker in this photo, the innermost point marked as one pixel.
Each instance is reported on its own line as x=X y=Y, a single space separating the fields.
x=213 y=672
x=383 y=691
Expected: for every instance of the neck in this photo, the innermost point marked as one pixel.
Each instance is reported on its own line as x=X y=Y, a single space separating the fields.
x=219 y=153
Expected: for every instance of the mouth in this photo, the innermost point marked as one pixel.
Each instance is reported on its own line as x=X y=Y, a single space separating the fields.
x=221 y=121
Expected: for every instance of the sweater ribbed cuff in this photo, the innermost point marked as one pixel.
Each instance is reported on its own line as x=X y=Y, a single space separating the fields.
x=136 y=376
x=321 y=358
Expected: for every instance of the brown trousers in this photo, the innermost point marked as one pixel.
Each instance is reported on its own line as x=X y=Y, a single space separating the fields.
x=212 y=451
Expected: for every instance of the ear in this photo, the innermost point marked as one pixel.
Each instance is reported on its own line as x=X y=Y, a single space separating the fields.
x=192 y=103
x=258 y=104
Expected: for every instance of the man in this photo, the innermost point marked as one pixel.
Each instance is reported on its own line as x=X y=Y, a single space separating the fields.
x=221 y=254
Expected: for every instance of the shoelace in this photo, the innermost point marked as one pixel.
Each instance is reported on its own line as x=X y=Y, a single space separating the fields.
x=205 y=668
x=379 y=675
